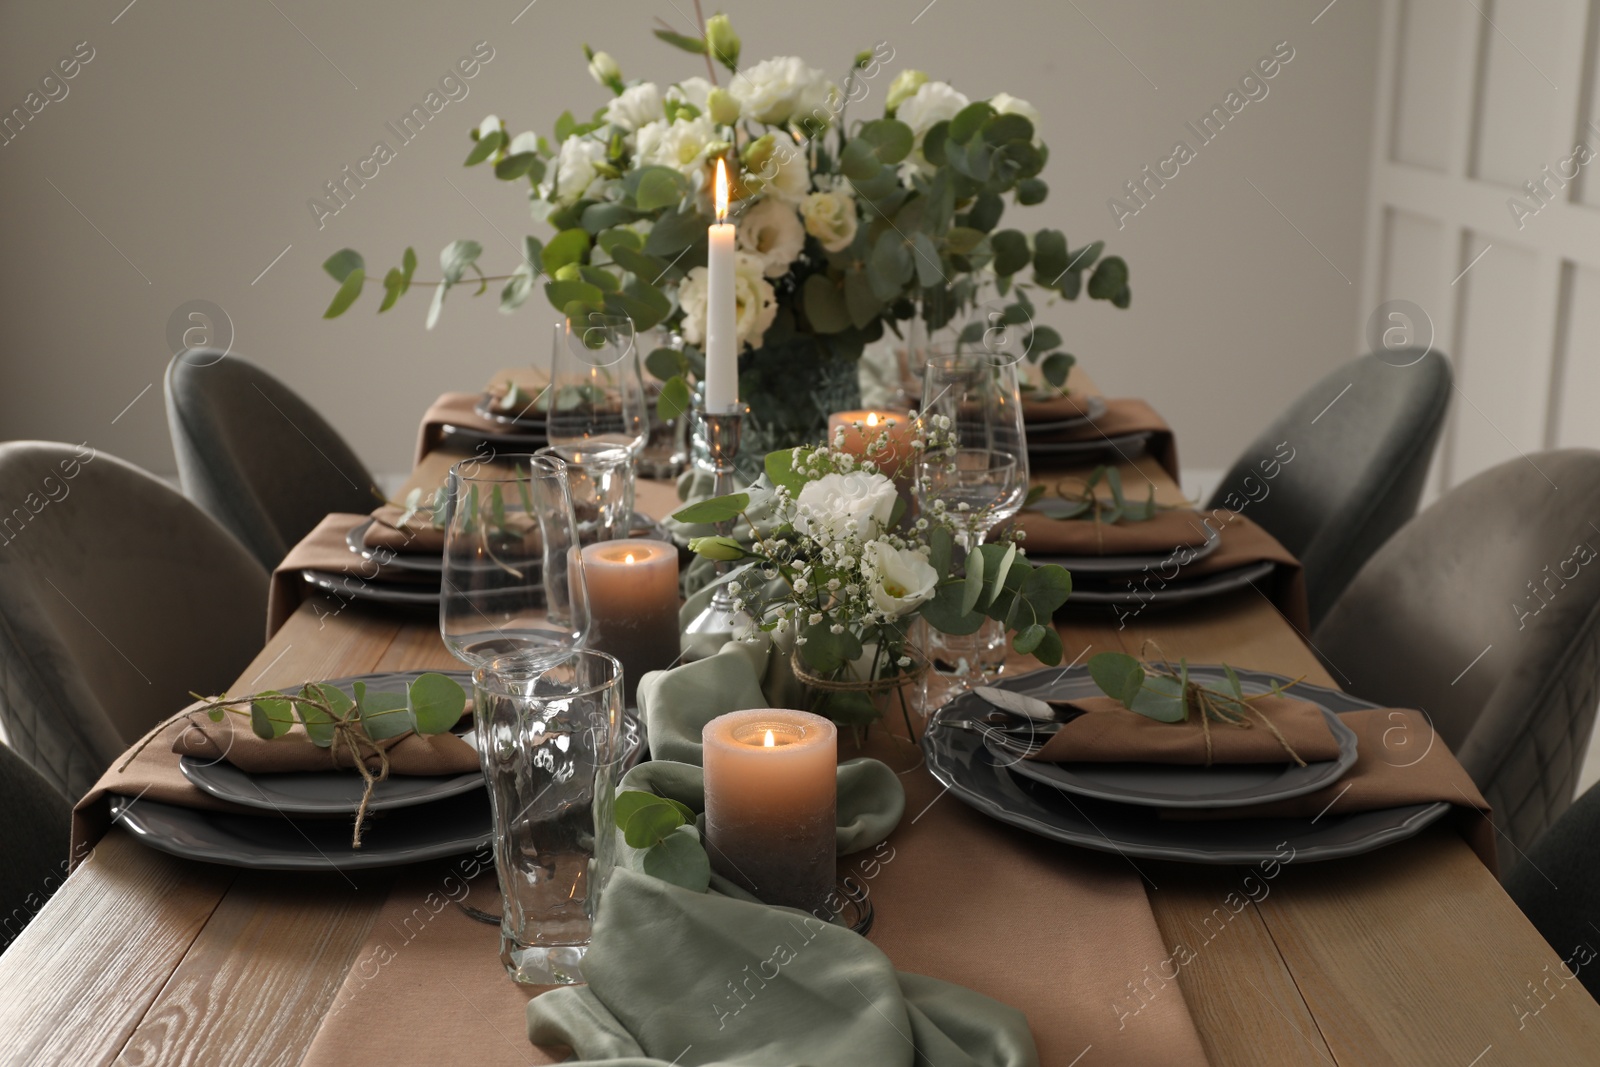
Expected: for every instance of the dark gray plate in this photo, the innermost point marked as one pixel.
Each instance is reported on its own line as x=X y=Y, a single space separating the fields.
x=1128 y=564
x=1096 y=408
x=1176 y=592
x=447 y=827
x=1122 y=445
x=530 y=421
x=1175 y=785
x=471 y=436
x=406 y=561
x=959 y=760
x=348 y=588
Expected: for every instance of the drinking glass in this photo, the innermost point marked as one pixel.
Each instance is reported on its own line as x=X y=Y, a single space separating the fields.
x=979 y=476
x=600 y=477
x=596 y=385
x=550 y=742
x=513 y=578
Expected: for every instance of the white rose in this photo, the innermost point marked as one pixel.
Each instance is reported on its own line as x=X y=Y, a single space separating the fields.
x=837 y=506
x=638 y=105
x=933 y=103
x=755 y=301
x=902 y=580
x=779 y=89
x=575 y=169
x=682 y=145
x=772 y=233
x=691 y=91
x=1006 y=104
x=830 y=218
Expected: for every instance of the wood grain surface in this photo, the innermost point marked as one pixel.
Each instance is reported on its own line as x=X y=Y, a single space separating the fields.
x=1410 y=955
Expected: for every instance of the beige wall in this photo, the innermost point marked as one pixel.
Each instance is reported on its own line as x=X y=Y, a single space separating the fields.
x=193 y=139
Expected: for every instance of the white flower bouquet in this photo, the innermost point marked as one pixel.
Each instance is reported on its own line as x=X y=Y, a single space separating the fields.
x=846 y=228
x=832 y=560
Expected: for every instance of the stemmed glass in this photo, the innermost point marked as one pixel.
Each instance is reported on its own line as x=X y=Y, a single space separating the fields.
x=513 y=586
x=979 y=478
x=599 y=419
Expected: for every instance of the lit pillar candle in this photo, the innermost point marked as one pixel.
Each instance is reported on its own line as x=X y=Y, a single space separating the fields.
x=771 y=796
x=893 y=426
x=633 y=604
x=722 y=309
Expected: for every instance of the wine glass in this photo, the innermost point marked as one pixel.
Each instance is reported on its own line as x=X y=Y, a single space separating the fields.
x=596 y=385
x=513 y=584
x=977 y=476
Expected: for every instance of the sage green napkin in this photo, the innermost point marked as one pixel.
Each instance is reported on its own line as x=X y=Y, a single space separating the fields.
x=686 y=978
x=676 y=705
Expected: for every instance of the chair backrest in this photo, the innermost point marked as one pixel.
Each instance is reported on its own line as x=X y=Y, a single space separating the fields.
x=1557 y=885
x=33 y=840
x=117 y=598
x=1484 y=612
x=255 y=456
x=1360 y=440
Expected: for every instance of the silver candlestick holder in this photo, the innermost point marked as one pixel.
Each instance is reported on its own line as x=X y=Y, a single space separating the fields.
x=715 y=455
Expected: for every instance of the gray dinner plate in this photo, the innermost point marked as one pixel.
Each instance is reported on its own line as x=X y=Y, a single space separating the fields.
x=350 y=588
x=1096 y=407
x=987 y=782
x=471 y=436
x=1125 y=565
x=1169 y=785
x=1123 y=445
x=1174 y=592
x=281 y=842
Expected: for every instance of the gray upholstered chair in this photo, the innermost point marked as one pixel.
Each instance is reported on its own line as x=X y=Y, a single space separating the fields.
x=255 y=456
x=33 y=840
x=1557 y=886
x=117 y=598
x=1361 y=441
x=1484 y=612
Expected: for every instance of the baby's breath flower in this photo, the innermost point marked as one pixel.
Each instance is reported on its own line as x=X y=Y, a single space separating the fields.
x=816 y=617
x=836 y=628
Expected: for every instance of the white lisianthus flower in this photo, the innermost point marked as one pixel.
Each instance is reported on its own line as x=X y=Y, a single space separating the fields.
x=779 y=89
x=527 y=141
x=637 y=106
x=756 y=303
x=837 y=506
x=790 y=178
x=575 y=170
x=490 y=124
x=931 y=104
x=906 y=83
x=604 y=69
x=830 y=218
x=902 y=580
x=771 y=232
x=1006 y=104
x=694 y=91
x=683 y=145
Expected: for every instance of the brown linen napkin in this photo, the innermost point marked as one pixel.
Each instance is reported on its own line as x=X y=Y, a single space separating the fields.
x=1054 y=408
x=1125 y=415
x=422 y=755
x=1107 y=732
x=325 y=549
x=418 y=536
x=455 y=409
x=1243 y=542
x=1085 y=537
x=1387 y=774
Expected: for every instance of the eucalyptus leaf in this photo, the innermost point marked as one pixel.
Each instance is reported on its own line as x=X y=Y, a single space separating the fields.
x=674 y=399
x=1011 y=252
x=1049 y=651
x=568 y=246
x=487 y=146
x=1162 y=699
x=672 y=233
x=824 y=306
x=651 y=824
x=666 y=363
x=716 y=509
x=1119 y=675
x=974 y=584
x=386 y=715
x=998 y=581
x=341 y=263
x=436 y=702
x=1032 y=191
x=968 y=121
x=945 y=614
x=271 y=718
x=1056 y=367
x=926 y=257
x=681 y=860
x=521 y=165
x=659 y=187
x=349 y=290
x=629 y=801
x=456 y=257
x=1109 y=278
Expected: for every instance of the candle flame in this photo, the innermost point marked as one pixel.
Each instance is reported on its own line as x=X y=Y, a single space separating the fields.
x=628 y=558
x=769 y=742
x=872 y=418
x=722 y=191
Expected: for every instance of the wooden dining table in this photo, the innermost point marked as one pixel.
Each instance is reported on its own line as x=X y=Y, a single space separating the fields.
x=1411 y=954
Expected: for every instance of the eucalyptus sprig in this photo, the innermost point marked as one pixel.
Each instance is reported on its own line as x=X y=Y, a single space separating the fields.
x=664 y=830
x=431 y=704
x=1085 y=502
x=1166 y=693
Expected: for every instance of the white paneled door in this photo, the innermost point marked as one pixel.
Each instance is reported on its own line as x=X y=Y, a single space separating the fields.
x=1485 y=214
